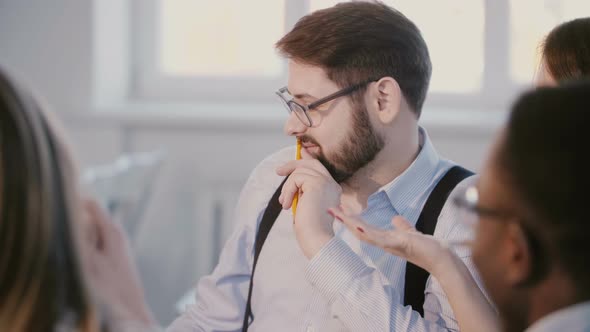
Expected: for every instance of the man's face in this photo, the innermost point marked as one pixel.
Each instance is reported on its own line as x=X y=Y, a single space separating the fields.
x=498 y=246
x=489 y=232
x=342 y=137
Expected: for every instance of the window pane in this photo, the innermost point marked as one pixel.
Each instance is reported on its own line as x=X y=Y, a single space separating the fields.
x=454 y=32
x=220 y=38
x=531 y=21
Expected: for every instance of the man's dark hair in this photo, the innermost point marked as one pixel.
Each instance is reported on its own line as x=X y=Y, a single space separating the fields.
x=358 y=41
x=545 y=156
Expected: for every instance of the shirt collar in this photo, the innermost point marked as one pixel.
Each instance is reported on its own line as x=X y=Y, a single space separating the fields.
x=572 y=318
x=409 y=187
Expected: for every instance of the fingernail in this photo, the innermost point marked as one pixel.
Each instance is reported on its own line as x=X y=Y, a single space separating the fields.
x=360 y=229
x=331 y=212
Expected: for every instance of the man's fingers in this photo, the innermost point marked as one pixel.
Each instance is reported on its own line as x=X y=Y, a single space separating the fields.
x=288 y=193
x=295 y=183
x=292 y=165
x=290 y=188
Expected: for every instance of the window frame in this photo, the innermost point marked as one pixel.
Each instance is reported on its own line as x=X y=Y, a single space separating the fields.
x=149 y=84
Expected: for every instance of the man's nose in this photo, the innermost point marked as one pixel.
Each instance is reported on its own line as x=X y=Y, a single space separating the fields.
x=294 y=126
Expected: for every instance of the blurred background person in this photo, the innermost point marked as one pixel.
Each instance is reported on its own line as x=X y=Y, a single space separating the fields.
x=565 y=53
x=49 y=242
x=42 y=285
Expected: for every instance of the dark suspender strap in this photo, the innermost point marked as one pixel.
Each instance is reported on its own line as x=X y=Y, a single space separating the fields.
x=272 y=211
x=416 y=277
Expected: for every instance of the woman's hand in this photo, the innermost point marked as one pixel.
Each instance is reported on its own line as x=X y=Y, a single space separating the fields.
x=112 y=274
x=404 y=241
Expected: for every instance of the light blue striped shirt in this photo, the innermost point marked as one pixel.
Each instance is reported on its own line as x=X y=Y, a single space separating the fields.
x=348 y=286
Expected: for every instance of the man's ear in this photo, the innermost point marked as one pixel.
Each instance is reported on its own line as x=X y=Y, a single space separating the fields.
x=517 y=255
x=389 y=99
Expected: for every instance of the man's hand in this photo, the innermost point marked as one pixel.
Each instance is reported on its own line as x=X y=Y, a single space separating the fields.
x=317 y=192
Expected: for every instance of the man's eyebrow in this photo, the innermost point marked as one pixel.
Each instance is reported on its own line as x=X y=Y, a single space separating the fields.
x=301 y=95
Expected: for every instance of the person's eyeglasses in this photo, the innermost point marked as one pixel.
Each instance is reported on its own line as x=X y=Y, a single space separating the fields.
x=468 y=201
x=302 y=111
x=470 y=210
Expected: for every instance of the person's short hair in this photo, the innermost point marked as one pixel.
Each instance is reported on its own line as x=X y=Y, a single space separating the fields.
x=545 y=156
x=358 y=41
x=566 y=50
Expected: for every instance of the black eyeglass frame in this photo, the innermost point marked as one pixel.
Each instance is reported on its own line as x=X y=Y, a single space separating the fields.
x=471 y=204
x=289 y=104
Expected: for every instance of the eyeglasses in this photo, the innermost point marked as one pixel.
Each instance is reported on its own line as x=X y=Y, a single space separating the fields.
x=468 y=200
x=302 y=111
x=470 y=211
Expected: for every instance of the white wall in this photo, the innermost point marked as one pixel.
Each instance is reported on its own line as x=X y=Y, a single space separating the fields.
x=49 y=44
x=53 y=46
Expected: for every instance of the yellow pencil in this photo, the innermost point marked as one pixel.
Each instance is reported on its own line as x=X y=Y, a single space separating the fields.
x=296 y=198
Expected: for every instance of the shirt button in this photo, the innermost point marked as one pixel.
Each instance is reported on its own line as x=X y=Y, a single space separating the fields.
x=309 y=329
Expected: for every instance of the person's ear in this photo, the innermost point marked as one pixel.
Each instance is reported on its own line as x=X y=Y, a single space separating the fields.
x=388 y=99
x=517 y=255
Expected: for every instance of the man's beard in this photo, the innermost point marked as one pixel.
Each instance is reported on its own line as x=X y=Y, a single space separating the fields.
x=357 y=150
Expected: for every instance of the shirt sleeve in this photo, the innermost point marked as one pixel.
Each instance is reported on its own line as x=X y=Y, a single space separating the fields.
x=221 y=296
x=450 y=229
x=364 y=300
